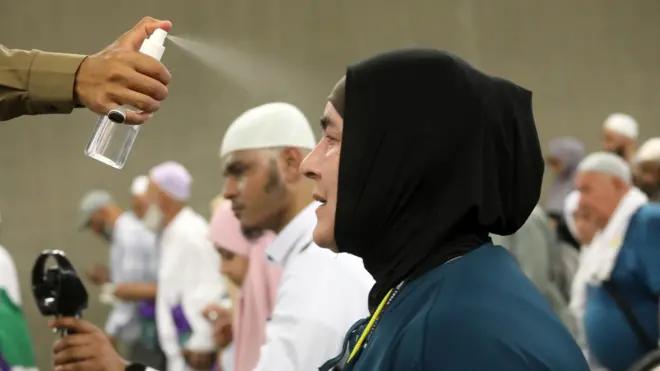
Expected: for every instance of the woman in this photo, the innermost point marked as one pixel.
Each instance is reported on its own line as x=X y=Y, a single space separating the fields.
x=422 y=157
x=244 y=263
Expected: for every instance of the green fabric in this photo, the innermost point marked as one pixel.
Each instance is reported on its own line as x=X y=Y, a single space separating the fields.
x=148 y=334
x=15 y=344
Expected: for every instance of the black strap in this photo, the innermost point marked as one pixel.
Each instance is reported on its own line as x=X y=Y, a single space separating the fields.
x=643 y=338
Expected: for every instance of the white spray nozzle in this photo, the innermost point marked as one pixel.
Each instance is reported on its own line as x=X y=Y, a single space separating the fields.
x=158 y=36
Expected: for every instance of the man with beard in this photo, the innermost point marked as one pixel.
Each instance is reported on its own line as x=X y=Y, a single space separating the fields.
x=647 y=166
x=620 y=132
x=133 y=270
x=422 y=157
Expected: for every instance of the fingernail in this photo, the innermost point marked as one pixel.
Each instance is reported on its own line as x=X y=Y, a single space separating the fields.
x=51 y=323
x=150 y=116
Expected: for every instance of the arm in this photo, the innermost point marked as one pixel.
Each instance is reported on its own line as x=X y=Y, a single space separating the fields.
x=136 y=291
x=204 y=285
x=35 y=82
x=167 y=335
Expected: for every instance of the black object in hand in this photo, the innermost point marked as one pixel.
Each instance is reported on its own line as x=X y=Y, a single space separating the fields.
x=58 y=290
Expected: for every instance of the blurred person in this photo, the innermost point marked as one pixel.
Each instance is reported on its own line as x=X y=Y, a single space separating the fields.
x=39 y=83
x=139 y=198
x=620 y=132
x=244 y=262
x=564 y=155
x=16 y=352
x=544 y=261
x=622 y=268
x=422 y=157
x=133 y=273
x=647 y=164
x=188 y=275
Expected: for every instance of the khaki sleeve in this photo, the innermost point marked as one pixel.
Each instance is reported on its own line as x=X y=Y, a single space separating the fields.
x=36 y=82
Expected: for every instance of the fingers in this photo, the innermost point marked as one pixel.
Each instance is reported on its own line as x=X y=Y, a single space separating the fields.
x=133 y=38
x=72 y=340
x=86 y=365
x=76 y=325
x=137 y=118
x=148 y=66
x=72 y=355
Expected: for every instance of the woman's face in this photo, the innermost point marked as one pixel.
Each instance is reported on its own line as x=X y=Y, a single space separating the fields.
x=233 y=266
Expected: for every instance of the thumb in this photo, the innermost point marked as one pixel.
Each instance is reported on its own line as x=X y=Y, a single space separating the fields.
x=133 y=38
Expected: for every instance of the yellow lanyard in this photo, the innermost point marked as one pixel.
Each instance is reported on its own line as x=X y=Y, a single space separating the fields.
x=367 y=329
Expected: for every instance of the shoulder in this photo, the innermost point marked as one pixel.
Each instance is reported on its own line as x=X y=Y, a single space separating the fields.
x=649 y=213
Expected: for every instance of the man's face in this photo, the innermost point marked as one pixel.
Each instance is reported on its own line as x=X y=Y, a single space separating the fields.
x=585 y=224
x=648 y=177
x=600 y=194
x=322 y=166
x=614 y=142
x=98 y=225
x=140 y=204
x=254 y=182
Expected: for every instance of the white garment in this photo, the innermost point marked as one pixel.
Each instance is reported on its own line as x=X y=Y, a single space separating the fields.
x=189 y=275
x=9 y=276
x=133 y=258
x=321 y=294
x=607 y=242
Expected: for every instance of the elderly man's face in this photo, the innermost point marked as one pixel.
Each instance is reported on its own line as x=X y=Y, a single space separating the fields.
x=254 y=182
x=600 y=194
x=139 y=204
x=322 y=166
x=585 y=224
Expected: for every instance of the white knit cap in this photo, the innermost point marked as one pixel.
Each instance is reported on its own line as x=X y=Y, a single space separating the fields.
x=172 y=178
x=140 y=185
x=606 y=163
x=270 y=125
x=649 y=151
x=623 y=124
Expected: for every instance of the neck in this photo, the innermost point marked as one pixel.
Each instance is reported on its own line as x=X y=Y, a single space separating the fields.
x=171 y=213
x=300 y=199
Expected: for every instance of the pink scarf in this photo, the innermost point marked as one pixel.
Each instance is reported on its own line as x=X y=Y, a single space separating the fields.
x=256 y=297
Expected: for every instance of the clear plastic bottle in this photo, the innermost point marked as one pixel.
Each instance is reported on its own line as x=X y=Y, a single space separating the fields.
x=111 y=142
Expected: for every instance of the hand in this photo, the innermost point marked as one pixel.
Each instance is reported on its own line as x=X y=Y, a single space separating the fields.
x=88 y=349
x=120 y=75
x=199 y=361
x=98 y=274
x=222 y=324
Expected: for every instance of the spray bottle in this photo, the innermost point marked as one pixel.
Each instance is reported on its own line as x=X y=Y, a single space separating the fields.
x=112 y=140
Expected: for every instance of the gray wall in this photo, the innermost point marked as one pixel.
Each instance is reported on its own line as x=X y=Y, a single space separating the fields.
x=583 y=59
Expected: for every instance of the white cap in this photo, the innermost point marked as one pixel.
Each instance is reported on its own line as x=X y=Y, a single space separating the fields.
x=140 y=185
x=173 y=178
x=623 y=124
x=271 y=125
x=153 y=46
x=571 y=203
x=606 y=163
x=649 y=151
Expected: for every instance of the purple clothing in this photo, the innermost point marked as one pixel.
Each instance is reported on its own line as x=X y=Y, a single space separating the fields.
x=4 y=366
x=147 y=309
x=180 y=321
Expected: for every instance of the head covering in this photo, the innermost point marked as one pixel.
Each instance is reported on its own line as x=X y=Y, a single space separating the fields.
x=570 y=152
x=623 y=124
x=435 y=155
x=272 y=125
x=606 y=163
x=570 y=207
x=90 y=203
x=172 y=178
x=649 y=151
x=140 y=185
x=337 y=97
x=257 y=295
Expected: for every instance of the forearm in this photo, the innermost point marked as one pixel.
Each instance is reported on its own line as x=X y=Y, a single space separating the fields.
x=35 y=82
x=136 y=291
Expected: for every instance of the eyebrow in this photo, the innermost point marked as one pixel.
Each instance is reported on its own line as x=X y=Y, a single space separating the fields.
x=234 y=167
x=325 y=122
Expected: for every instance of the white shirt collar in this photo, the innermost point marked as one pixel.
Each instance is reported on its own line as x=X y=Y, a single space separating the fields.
x=295 y=236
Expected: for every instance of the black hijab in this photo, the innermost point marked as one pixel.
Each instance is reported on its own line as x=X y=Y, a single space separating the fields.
x=434 y=156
